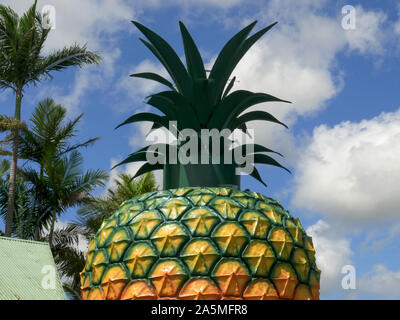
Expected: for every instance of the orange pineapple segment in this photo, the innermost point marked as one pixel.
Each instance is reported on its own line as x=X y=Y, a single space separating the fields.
x=201 y=243
x=231 y=275
x=260 y=289
x=114 y=281
x=167 y=277
x=285 y=280
x=138 y=290
x=200 y=289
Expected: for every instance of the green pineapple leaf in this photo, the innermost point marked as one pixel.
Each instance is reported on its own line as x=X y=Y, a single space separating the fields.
x=256 y=175
x=264 y=159
x=162 y=121
x=253 y=116
x=147 y=167
x=227 y=61
x=169 y=59
x=194 y=61
x=154 y=77
x=236 y=103
x=257 y=149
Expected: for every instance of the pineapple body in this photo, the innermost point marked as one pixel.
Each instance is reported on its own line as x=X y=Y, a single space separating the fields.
x=201 y=244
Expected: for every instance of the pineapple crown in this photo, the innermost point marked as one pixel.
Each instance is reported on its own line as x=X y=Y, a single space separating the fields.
x=199 y=101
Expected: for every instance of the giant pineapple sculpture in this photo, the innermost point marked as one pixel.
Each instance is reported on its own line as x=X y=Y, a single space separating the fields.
x=202 y=237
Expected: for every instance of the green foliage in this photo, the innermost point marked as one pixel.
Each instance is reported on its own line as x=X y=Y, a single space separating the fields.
x=54 y=179
x=68 y=257
x=197 y=101
x=67 y=254
x=25 y=214
x=50 y=133
x=22 y=63
x=21 y=43
x=95 y=209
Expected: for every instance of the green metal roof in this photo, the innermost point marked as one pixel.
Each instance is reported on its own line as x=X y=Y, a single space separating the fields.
x=28 y=272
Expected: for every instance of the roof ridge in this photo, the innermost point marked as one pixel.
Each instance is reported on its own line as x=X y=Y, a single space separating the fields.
x=25 y=241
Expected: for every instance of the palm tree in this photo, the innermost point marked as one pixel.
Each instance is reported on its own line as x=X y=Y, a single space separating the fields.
x=22 y=64
x=50 y=136
x=25 y=215
x=46 y=143
x=68 y=185
x=69 y=259
x=49 y=133
x=95 y=209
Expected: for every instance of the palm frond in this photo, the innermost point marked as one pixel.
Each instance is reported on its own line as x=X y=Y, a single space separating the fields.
x=66 y=57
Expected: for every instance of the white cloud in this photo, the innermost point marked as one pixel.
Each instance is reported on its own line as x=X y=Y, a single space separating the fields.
x=130 y=169
x=351 y=171
x=81 y=21
x=397 y=23
x=368 y=35
x=382 y=237
x=137 y=88
x=190 y=3
x=86 y=79
x=96 y=23
x=381 y=281
x=332 y=253
x=296 y=61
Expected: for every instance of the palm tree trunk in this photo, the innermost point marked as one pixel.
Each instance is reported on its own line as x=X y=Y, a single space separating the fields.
x=53 y=221
x=13 y=168
x=38 y=207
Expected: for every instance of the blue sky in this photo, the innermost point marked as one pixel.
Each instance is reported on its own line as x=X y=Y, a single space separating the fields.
x=343 y=143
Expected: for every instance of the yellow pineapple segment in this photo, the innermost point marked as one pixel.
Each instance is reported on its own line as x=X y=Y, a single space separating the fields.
x=131 y=212
x=96 y=293
x=282 y=242
x=201 y=200
x=104 y=235
x=99 y=264
x=200 y=221
x=296 y=232
x=260 y=257
x=119 y=242
x=169 y=238
x=301 y=264
x=199 y=255
x=173 y=209
x=144 y=224
x=181 y=191
x=225 y=207
x=230 y=237
x=139 y=259
x=255 y=223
